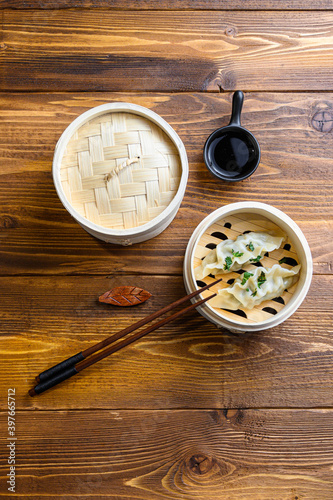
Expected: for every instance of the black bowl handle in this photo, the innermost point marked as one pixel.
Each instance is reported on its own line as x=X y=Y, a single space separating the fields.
x=237 y=104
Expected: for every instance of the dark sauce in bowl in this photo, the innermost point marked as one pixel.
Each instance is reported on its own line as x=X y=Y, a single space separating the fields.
x=232 y=154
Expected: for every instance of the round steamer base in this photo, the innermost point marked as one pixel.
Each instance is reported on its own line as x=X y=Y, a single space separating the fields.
x=228 y=223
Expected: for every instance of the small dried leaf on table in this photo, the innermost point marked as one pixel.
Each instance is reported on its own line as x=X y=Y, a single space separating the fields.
x=125 y=296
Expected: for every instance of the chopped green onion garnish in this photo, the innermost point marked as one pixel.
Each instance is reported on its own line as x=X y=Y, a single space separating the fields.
x=283 y=260
x=228 y=262
x=256 y=259
x=237 y=254
x=246 y=276
x=250 y=246
x=261 y=279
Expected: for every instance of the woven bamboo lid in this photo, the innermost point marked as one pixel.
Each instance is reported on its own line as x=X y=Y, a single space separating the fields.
x=120 y=167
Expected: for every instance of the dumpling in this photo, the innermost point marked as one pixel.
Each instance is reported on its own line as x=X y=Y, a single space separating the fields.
x=232 y=255
x=252 y=288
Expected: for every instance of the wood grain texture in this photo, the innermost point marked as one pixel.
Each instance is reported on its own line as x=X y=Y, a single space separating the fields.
x=154 y=455
x=39 y=236
x=168 y=4
x=186 y=364
x=86 y=50
x=190 y=411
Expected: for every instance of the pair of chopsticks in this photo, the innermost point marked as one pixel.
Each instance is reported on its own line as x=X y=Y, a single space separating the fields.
x=75 y=364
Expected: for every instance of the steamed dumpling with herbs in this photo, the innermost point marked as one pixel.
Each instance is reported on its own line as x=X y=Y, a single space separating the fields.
x=252 y=288
x=232 y=255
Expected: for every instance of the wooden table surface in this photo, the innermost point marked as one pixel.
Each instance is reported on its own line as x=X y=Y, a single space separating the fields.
x=190 y=411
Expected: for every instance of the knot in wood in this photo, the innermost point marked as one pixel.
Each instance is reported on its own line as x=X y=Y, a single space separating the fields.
x=7 y=222
x=233 y=415
x=322 y=121
x=200 y=464
x=230 y=31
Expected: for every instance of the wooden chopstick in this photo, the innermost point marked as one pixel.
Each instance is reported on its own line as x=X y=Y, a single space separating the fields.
x=78 y=362
x=43 y=386
x=113 y=348
x=73 y=360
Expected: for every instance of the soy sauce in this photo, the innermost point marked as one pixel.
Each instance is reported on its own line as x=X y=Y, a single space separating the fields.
x=233 y=153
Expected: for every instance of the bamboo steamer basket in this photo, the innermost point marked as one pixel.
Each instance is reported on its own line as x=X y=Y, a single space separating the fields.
x=229 y=222
x=121 y=171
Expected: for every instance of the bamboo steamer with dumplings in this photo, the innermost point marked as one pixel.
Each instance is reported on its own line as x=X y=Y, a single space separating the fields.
x=121 y=171
x=228 y=223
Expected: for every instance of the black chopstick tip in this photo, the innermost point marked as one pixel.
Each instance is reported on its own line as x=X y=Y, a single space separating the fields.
x=74 y=364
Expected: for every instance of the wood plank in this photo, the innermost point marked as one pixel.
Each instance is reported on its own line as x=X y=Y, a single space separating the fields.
x=230 y=454
x=295 y=175
x=187 y=364
x=169 y=4
x=167 y=50
x=169 y=416
x=33 y=245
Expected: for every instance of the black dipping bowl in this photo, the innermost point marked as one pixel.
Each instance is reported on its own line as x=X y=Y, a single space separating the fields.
x=232 y=153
